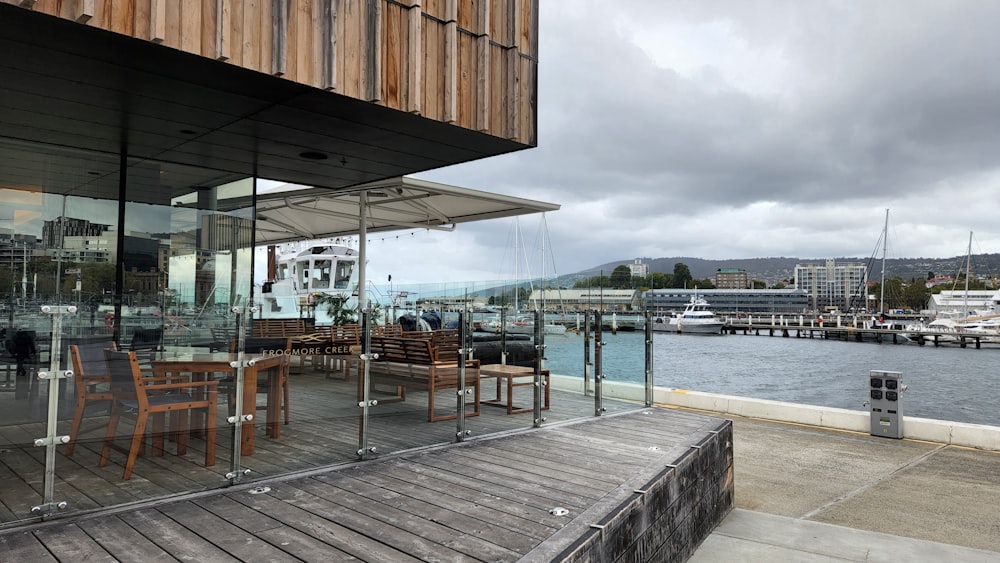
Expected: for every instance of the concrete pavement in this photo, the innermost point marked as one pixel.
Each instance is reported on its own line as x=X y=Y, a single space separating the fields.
x=815 y=494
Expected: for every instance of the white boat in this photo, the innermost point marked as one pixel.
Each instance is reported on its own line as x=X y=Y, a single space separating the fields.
x=696 y=318
x=521 y=324
x=942 y=329
x=986 y=325
x=302 y=276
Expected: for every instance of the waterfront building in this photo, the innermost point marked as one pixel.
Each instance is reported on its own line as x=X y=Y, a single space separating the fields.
x=731 y=301
x=450 y=303
x=171 y=139
x=961 y=303
x=832 y=285
x=610 y=300
x=732 y=278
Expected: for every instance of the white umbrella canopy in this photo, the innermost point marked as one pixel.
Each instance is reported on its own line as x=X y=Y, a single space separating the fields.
x=288 y=213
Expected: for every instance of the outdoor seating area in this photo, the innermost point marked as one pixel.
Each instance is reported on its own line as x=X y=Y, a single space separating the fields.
x=323 y=430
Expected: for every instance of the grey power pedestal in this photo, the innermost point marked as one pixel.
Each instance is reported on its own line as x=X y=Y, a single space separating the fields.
x=886 y=388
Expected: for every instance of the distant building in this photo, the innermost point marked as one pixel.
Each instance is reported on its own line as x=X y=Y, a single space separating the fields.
x=101 y=249
x=960 y=303
x=53 y=232
x=833 y=286
x=939 y=280
x=638 y=268
x=731 y=301
x=732 y=278
x=451 y=302
x=586 y=299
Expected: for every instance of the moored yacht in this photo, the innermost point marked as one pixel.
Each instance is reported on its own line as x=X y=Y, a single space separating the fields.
x=696 y=318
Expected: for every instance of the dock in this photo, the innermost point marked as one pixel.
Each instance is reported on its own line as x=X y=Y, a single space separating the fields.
x=862 y=333
x=802 y=493
x=649 y=484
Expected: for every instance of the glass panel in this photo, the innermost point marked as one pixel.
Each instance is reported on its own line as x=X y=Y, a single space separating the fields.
x=58 y=241
x=622 y=360
x=314 y=421
x=187 y=262
x=506 y=353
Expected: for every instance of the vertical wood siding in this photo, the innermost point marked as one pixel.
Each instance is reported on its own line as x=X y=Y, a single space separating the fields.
x=468 y=62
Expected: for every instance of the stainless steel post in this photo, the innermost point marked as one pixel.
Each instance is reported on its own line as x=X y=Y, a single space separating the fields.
x=539 y=365
x=598 y=370
x=364 y=449
x=649 y=357
x=463 y=354
x=54 y=375
x=586 y=353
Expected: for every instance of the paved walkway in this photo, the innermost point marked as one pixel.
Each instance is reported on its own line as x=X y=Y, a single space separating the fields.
x=811 y=494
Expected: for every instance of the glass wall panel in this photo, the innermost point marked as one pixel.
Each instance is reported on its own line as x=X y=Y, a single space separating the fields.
x=58 y=233
x=187 y=250
x=505 y=350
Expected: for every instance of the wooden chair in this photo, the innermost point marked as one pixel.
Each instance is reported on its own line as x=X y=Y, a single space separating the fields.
x=255 y=345
x=90 y=369
x=151 y=396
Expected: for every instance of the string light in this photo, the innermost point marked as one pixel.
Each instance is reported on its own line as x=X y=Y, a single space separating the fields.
x=383 y=239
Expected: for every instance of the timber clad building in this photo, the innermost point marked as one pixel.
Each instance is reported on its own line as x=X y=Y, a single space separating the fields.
x=161 y=142
x=135 y=136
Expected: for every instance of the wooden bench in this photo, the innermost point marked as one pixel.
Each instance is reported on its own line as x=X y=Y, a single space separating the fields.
x=414 y=363
x=515 y=376
x=272 y=328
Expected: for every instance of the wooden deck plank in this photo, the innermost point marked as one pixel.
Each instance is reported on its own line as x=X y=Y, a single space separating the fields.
x=174 y=538
x=555 y=452
x=297 y=544
x=122 y=541
x=70 y=543
x=329 y=531
x=422 y=524
x=404 y=540
x=478 y=475
x=303 y=546
x=420 y=504
x=241 y=515
x=520 y=500
x=525 y=476
x=24 y=546
x=521 y=462
x=229 y=537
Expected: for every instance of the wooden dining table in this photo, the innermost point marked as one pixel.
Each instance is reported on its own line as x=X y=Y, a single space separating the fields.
x=206 y=365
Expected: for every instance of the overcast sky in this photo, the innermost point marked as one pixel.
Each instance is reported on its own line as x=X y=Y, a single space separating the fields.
x=741 y=129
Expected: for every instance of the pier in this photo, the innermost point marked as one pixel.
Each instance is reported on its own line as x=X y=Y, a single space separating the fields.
x=857 y=332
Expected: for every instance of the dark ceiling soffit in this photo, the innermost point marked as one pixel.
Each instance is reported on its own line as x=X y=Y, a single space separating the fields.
x=157 y=74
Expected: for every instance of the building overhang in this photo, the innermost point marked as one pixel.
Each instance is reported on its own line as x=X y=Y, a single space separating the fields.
x=78 y=105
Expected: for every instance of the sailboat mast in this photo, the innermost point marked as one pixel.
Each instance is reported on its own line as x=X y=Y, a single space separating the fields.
x=885 y=245
x=968 y=271
x=517 y=254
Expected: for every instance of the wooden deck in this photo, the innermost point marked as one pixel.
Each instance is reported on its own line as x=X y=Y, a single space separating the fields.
x=323 y=431
x=532 y=495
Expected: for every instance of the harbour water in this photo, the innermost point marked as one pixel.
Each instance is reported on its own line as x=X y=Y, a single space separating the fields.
x=945 y=383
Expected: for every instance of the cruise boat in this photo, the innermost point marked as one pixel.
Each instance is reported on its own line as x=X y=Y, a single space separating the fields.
x=300 y=276
x=695 y=319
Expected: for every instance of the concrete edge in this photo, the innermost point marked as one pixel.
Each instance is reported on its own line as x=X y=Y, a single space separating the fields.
x=979 y=436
